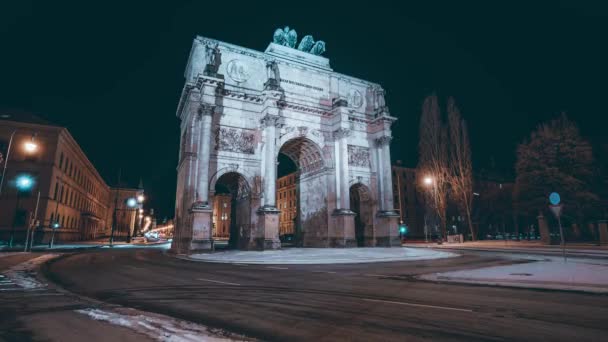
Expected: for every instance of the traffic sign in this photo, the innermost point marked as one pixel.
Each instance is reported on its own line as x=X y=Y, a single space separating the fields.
x=556 y=209
x=554 y=198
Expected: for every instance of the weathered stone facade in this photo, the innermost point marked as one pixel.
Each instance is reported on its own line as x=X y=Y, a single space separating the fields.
x=240 y=108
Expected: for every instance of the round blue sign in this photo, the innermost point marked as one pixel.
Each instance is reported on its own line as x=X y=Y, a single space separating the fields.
x=554 y=198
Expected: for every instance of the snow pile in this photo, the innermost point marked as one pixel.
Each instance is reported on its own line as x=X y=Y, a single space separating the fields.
x=323 y=255
x=24 y=274
x=159 y=327
x=550 y=273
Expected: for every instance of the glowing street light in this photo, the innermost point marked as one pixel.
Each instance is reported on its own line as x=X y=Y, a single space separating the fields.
x=24 y=182
x=428 y=180
x=140 y=198
x=30 y=146
x=131 y=202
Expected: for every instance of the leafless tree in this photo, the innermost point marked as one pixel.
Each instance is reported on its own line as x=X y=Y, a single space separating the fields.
x=461 y=169
x=433 y=159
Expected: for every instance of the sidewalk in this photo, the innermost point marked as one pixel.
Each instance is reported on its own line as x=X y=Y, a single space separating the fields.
x=552 y=273
x=322 y=255
x=533 y=247
x=83 y=244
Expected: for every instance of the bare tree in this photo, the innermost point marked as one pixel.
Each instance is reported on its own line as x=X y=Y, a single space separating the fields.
x=433 y=158
x=461 y=169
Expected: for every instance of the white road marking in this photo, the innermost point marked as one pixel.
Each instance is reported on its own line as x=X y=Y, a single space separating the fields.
x=277 y=268
x=219 y=282
x=417 y=305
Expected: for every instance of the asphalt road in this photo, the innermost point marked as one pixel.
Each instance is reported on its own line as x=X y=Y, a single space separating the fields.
x=358 y=302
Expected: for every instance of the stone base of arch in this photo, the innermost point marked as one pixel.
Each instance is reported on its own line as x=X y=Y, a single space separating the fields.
x=201 y=229
x=268 y=221
x=342 y=234
x=387 y=229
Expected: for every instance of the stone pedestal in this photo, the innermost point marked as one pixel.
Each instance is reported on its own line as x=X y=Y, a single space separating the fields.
x=387 y=231
x=343 y=234
x=602 y=227
x=202 y=240
x=268 y=221
x=543 y=229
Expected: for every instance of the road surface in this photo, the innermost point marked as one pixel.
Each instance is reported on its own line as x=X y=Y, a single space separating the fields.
x=356 y=302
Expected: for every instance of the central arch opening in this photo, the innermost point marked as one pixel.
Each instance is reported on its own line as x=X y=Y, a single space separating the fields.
x=361 y=205
x=231 y=211
x=300 y=193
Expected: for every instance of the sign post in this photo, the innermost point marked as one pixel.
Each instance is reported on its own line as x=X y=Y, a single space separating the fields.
x=556 y=208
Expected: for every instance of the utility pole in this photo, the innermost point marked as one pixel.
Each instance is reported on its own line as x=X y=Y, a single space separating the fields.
x=115 y=208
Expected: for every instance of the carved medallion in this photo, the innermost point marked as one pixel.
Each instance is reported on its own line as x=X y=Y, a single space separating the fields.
x=355 y=99
x=237 y=70
x=358 y=156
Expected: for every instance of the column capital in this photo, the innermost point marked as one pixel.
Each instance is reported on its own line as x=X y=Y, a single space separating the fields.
x=270 y=121
x=383 y=140
x=341 y=133
x=206 y=109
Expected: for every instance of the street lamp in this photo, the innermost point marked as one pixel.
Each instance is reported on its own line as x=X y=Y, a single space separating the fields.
x=427 y=181
x=30 y=147
x=23 y=183
x=131 y=204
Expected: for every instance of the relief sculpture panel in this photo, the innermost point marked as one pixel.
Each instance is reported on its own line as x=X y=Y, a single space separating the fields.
x=235 y=140
x=358 y=156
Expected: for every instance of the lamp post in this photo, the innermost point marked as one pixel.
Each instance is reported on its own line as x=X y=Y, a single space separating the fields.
x=30 y=147
x=132 y=204
x=428 y=181
x=23 y=183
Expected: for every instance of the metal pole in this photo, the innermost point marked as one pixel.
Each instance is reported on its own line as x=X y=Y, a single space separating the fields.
x=561 y=233
x=27 y=234
x=10 y=243
x=8 y=152
x=115 y=208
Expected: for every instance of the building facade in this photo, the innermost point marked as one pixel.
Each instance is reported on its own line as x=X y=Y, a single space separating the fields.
x=128 y=217
x=72 y=193
x=222 y=208
x=240 y=108
x=75 y=203
x=287 y=203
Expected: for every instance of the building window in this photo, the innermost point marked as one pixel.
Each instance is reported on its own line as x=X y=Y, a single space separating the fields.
x=61 y=160
x=56 y=191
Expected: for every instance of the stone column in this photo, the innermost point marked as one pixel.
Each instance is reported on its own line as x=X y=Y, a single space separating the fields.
x=343 y=234
x=602 y=227
x=204 y=153
x=388 y=229
x=270 y=169
x=201 y=211
x=269 y=214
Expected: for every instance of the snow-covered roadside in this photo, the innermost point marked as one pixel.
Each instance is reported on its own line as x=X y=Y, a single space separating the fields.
x=323 y=255
x=160 y=327
x=547 y=273
x=23 y=274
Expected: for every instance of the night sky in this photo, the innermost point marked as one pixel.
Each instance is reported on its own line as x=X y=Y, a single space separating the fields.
x=112 y=73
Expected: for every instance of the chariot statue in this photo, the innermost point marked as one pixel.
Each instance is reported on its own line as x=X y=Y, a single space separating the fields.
x=289 y=38
x=285 y=37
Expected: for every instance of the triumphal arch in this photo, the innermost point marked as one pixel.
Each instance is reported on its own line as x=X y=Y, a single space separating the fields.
x=240 y=109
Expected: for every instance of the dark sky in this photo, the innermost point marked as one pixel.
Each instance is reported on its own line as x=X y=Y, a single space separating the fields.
x=113 y=72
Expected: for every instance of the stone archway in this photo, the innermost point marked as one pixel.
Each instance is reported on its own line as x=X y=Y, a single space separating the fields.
x=311 y=207
x=232 y=211
x=361 y=205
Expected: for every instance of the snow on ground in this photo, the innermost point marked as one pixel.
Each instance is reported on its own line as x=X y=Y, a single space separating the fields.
x=577 y=274
x=24 y=274
x=323 y=255
x=159 y=327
